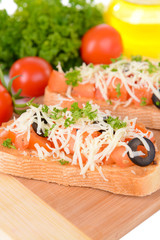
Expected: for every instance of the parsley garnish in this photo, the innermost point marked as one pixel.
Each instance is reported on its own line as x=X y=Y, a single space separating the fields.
x=63 y=162
x=105 y=66
x=114 y=70
x=143 y=101
x=113 y=60
x=91 y=65
x=8 y=143
x=87 y=111
x=115 y=123
x=57 y=113
x=78 y=113
x=45 y=108
x=151 y=67
x=118 y=89
x=109 y=101
x=136 y=58
x=68 y=122
x=158 y=103
x=73 y=78
x=45 y=132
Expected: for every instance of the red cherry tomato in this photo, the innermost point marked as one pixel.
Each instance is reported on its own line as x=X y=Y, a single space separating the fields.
x=34 y=71
x=6 y=106
x=100 y=44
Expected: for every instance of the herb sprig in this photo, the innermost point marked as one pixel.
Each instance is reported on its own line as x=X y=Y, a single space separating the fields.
x=115 y=123
x=8 y=143
x=73 y=78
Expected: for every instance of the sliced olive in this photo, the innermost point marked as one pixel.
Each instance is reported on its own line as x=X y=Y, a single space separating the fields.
x=142 y=161
x=35 y=126
x=156 y=100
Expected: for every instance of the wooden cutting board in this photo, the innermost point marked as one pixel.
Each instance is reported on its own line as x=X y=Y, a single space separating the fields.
x=91 y=213
x=99 y=214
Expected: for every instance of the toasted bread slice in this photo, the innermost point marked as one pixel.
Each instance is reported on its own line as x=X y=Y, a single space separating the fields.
x=135 y=180
x=149 y=115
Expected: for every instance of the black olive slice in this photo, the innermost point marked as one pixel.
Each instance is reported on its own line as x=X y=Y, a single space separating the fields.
x=142 y=161
x=35 y=126
x=156 y=100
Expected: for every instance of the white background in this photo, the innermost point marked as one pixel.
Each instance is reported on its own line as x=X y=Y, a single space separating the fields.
x=149 y=229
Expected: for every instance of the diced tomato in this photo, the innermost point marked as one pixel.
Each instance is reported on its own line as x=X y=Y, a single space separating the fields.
x=35 y=138
x=57 y=82
x=115 y=93
x=98 y=94
x=119 y=159
x=84 y=90
x=144 y=95
x=142 y=128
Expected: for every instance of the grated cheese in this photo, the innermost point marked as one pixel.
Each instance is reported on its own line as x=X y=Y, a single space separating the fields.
x=133 y=75
x=95 y=150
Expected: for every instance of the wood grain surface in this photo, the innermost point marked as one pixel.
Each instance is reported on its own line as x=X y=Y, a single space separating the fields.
x=25 y=216
x=99 y=214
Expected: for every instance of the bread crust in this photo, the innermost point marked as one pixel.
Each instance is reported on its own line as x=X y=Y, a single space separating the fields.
x=135 y=180
x=148 y=115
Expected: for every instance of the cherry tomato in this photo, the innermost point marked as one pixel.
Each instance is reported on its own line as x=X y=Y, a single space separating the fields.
x=6 y=106
x=100 y=44
x=34 y=72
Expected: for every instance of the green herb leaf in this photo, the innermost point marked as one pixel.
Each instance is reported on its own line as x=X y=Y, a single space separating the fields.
x=63 y=162
x=8 y=143
x=151 y=67
x=50 y=23
x=114 y=70
x=109 y=101
x=158 y=103
x=115 y=123
x=73 y=78
x=105 y=66
x=113 y=60
x=118 y=89
x=143 y=101
x=91 y=65
x=68 y=122
x=45 y=132
x=136 y=58
x=45 y=108
x=87 y=111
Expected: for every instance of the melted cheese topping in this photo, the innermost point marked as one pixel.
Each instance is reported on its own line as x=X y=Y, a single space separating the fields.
x=133 y=75
x=84 y=146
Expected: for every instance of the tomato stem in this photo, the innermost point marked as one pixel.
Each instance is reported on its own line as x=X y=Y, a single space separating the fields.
x=2 y=79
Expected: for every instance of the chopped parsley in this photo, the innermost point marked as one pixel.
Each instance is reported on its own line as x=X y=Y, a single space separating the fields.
x=157 y=103
x=136 y=58
x=91 y=65
x=63 y=162
x=118 y=89
x=105 y=66
x=115 y=123
x=73 y=78
x=143 y=101
x=8 y=143
x=46 y=132
x=151 y=67
x=109 y=101
x=114 y=70
x=87 y=111
x=57 y=113
x=78 y=113
x=68 y=122
x=113 y=60
x=45 y=108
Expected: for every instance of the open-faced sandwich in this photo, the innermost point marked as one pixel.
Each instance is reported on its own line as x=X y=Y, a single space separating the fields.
x=81 y=147
x=125 y=87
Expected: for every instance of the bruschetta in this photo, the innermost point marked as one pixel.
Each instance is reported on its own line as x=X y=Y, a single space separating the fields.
x=125 y=87
x=81 y=146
